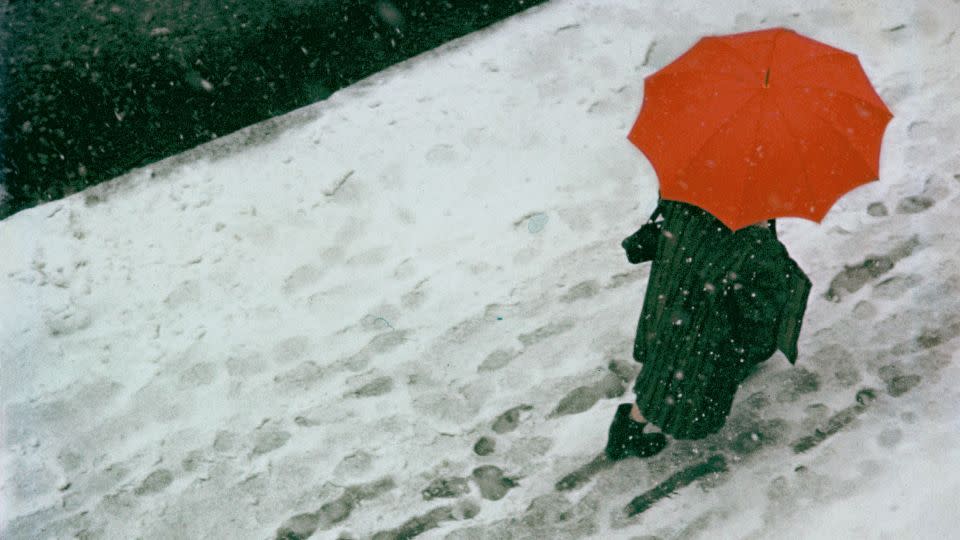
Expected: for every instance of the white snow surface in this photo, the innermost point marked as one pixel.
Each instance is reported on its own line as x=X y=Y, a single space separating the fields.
x=353 y=293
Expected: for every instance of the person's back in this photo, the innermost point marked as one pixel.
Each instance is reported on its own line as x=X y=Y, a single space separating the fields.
x=713 y=308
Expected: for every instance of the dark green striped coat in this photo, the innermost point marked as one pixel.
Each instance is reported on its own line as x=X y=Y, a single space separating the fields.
x=717 y=303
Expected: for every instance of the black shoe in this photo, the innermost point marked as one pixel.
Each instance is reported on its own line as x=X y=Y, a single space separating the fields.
x=627 y=438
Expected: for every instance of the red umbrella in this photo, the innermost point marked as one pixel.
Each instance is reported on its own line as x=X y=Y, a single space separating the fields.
x=761 y=125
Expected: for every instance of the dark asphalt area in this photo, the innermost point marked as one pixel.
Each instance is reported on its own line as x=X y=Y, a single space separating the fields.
x=91 y=89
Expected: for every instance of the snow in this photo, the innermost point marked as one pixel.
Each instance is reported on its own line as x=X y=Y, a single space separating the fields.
x=324 y=313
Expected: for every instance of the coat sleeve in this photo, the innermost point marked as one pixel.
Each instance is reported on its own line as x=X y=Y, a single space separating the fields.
x=641 y=246
x=791 y=316
x=757 y=293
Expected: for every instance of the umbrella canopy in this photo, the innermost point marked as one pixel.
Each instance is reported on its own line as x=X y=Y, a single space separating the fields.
x=761 y=125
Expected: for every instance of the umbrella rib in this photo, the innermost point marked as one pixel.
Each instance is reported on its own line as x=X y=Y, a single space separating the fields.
x=846 y=141
x=739 y=56
x=773 y=50
x=820 y=57
x=756 y=132
x=848 y=94
x=711 y=75
x=793 y=138
x=743 y=183
x=722 y=125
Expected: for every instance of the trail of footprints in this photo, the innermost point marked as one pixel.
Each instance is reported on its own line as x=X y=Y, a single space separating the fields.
x=747 y=432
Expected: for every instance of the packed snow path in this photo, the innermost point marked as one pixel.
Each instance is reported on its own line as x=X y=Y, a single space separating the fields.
x=405 y=311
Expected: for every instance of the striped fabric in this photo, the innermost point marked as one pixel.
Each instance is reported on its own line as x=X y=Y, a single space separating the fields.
x=717 y=302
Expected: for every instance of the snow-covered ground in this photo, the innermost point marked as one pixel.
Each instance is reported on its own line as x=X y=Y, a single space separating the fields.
x=319 y=324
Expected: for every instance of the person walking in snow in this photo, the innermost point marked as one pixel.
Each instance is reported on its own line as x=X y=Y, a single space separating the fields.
x=741 y=129
x=718 y=303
